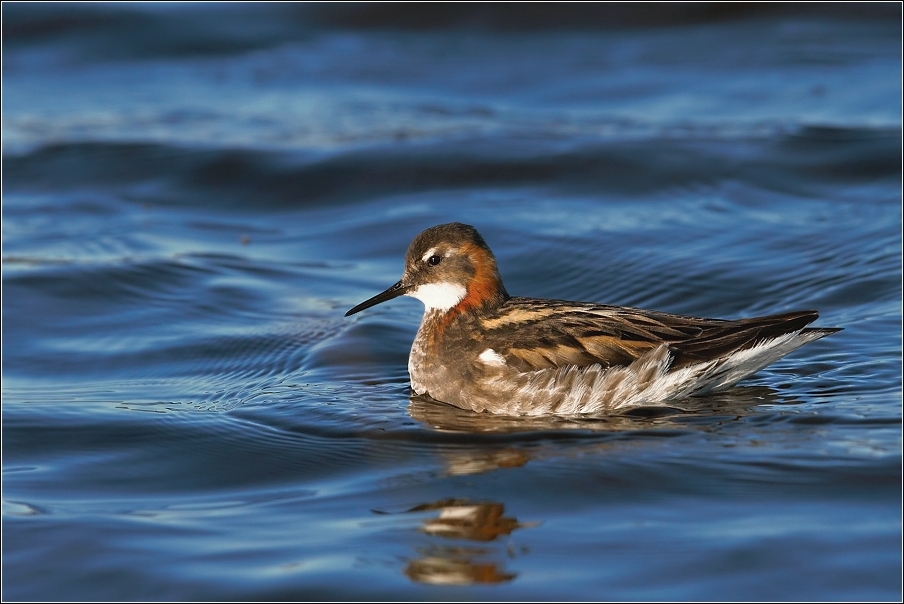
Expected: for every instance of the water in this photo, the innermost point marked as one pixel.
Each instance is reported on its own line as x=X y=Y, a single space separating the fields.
x=194 y=195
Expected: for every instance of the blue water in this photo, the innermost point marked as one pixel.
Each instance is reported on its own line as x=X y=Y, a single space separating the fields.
x=194 y=195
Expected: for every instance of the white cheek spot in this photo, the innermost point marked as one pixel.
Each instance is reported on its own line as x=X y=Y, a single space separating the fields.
x=439 y=296
x=491 y=357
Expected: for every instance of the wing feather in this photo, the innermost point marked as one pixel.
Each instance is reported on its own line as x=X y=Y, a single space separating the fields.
x=538 y=334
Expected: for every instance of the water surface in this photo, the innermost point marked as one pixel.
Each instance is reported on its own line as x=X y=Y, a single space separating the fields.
x=193 y=197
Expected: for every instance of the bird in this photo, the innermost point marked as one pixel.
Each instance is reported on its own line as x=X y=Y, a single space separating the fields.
x=480 y=349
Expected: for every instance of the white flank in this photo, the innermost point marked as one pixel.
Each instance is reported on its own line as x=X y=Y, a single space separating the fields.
x=439 y=296
x=649 y=380
x=491 y=357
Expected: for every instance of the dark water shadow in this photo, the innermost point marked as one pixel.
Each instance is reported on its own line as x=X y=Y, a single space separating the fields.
x=593 y=432
x=740 y=401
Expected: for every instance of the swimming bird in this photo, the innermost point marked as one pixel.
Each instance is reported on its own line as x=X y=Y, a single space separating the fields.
x=481 y=349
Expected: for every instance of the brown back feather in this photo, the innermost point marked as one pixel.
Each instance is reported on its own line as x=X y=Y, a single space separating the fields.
x=563 y=333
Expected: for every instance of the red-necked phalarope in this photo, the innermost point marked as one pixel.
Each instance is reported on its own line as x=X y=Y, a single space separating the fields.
x=479 y=348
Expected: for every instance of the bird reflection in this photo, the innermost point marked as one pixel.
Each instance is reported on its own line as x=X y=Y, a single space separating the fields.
x=486 y=445
x=478 y=461
x=448 y=569
x=460 y=519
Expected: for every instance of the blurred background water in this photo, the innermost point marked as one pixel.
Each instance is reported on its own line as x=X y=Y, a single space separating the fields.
x=194 y=194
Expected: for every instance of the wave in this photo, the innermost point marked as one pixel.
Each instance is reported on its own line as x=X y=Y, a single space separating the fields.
x=165 y=174
x=104 y=31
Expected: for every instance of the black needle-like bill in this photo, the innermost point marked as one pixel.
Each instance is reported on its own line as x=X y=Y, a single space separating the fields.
x=393 y=292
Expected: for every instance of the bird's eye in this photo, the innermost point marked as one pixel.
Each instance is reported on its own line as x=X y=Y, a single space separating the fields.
x=434 y=260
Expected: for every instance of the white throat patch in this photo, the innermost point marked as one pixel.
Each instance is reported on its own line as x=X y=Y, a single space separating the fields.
x=439 y=296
